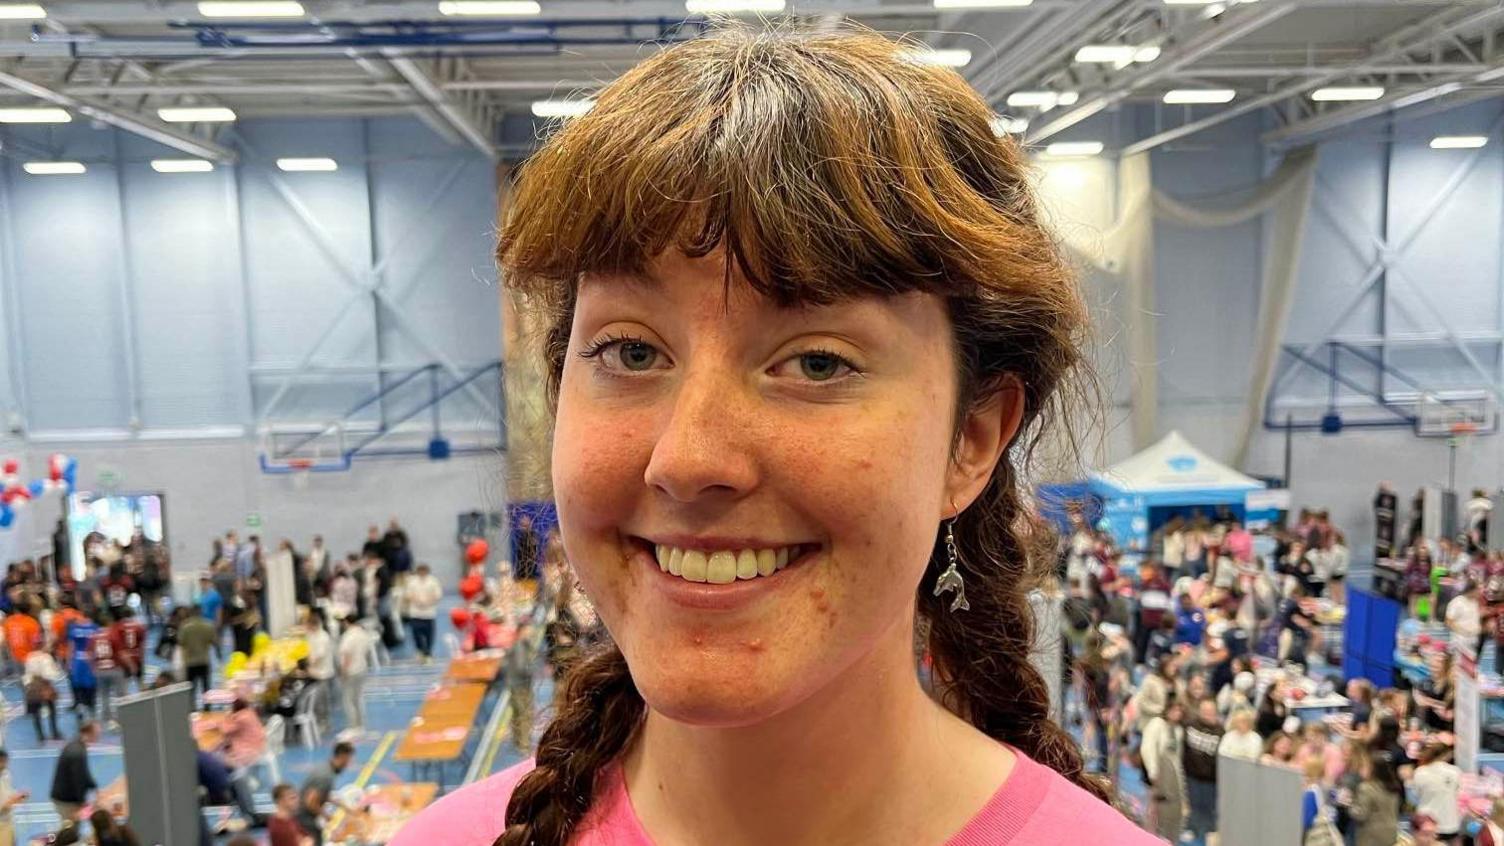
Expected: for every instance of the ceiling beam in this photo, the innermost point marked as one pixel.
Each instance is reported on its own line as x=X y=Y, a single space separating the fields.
x=1303 y=130
x=1226 y=29
x=458 y=116
x=137 y=124
x=1414 y=37
x=1285 y=71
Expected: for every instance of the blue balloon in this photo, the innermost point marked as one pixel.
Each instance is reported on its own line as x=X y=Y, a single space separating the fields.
x=35 y=489
x=70 y=473
x=7 y=516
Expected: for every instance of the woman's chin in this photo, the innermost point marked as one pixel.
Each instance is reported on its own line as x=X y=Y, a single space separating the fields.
x=714 y=696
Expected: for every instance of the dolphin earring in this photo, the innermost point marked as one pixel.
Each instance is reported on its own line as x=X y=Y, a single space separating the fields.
x=951 y=579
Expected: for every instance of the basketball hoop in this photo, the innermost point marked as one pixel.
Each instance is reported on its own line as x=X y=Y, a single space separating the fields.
x=301 y=468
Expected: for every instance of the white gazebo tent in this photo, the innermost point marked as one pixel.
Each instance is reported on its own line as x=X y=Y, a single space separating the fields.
x=1171 y=473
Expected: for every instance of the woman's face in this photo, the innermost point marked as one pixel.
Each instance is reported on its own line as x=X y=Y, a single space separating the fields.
x=734 y=435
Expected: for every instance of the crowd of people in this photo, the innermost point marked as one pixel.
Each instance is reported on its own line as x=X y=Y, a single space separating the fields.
x=1205 y=645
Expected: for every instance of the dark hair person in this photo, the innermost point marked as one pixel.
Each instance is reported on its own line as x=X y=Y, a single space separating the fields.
x=804 y=328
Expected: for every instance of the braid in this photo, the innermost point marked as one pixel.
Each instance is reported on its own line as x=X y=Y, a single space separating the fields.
x=599 y=712
x=981 y=656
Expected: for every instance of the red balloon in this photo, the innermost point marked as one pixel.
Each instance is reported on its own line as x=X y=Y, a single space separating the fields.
x=12 y=466
x=471 y=586
x=459 y=617
x=477 y=551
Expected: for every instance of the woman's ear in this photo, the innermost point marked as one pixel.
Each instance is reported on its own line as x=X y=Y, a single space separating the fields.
x=985 y=432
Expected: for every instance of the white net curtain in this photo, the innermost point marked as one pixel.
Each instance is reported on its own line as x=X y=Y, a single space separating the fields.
x=1125 y=254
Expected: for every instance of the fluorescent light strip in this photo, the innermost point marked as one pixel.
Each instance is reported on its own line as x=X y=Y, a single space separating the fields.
x=1190 y=96
x=21 y=12
x=562 y=108
x=44 y=114
x=942 y=58
x=1004 y=125
x=196 y=114
x=54 y=168
x=1068 y=149
x=1458 y=142
x=250 y=9
x=1342 y=94
x=710 y=7
x=982 y=4
x=182 y=165
x=1109 y=54
x=1041 y=99
x=490 y=7
x=307 y=165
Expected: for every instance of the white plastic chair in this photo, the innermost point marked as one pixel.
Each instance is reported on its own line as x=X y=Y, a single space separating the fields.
x=305 y=718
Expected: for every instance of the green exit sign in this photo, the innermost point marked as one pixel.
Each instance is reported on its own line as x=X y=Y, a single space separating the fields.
x=253 y=521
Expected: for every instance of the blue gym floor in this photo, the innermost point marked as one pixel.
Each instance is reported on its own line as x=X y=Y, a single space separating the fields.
x=392 y=697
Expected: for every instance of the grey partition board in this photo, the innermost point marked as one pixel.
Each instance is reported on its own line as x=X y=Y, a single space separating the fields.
x=161 y=765
x=1257 y=805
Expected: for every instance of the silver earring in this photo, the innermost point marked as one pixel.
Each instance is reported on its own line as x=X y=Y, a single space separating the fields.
x=951 y=579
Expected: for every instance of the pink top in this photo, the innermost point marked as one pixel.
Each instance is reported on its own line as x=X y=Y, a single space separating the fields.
x=1036 y=806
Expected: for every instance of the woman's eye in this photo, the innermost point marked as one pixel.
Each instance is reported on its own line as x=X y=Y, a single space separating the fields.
x=636 y=355
x=815 y=366
x=820 y=367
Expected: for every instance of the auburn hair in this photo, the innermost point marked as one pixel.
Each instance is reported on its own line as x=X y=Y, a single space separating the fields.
x=826 y=166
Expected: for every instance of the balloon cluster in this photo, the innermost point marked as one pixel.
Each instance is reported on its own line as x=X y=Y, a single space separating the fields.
x=62 y=473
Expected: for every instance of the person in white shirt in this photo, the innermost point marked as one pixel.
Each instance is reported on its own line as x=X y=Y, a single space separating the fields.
x=1163 y=742
x=1465 y=616
x=354 y=668
x=1241 y=741
x=423 y=593
x=1436 y=783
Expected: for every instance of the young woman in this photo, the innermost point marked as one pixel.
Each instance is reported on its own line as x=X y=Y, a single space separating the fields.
x=805 y=324
x=1374 y=807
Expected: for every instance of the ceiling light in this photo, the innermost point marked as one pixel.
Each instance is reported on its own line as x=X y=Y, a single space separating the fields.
x=1340 y=94
x=1187 y=96
x=943 y=58
x=249 y=9
x=710 y=7
x=1107 y=54
x=982 y=4
x=1042 y=99
x=182 y=165
x=1458 y=142
x=490 y=7
x=1147 y=54
x=196 y=114
x=1069 y=149
x=1191 y=2
x=44 y=114
x=54 y=168
x=307 y=165
x=21 y=12
x=1004 y=125
x=562 y=108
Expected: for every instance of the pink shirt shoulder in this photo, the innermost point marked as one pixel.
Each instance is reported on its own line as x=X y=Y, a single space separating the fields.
x=1035 y=807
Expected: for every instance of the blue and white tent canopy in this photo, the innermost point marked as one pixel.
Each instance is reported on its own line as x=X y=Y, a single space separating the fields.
x=1173 y=472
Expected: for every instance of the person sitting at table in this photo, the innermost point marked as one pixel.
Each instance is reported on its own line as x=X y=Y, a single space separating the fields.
x=243 y=745
x=321 y=780
x=282 y=695
x=107 y=832
x=217 y=787
x=282 y=828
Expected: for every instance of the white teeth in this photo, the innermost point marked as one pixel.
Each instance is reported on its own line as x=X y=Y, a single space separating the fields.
x=722 y=566
x=746 y=564
x=721 y=569
x=694 y=565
